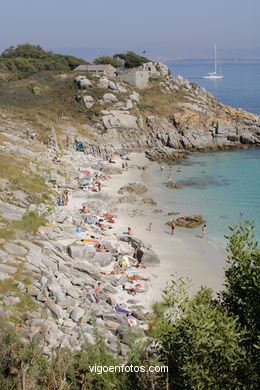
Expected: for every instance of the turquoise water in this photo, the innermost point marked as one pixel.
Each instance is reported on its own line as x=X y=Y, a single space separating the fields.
x=220 y=186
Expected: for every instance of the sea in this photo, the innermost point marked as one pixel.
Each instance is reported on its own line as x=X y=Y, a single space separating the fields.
x=224 y=187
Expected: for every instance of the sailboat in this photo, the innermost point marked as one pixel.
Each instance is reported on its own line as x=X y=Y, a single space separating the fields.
x=215 y=74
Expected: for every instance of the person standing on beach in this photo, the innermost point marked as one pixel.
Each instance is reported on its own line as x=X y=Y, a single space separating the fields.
x=123 y=165
x=126 y=166
x=97 y=291
x=203 y=231
x=130 y=232
x=173 y=226
x=149 y=228
x=170 y=179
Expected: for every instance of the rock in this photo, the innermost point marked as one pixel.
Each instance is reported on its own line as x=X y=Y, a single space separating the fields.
x=135 y=97
x=15 y=249
x=174 y=213
x=85 y=84
x=32 y=290
x=10 y=212
x=81 y=252
x=56 y=309
x=150 y=257
x=88 y=101
x=157 y=211
x=136 y=188
x=121 y=89
x=112 y=325
x=109 y=98
x=118 y=119
x=11 y=301
x=173 y=185
x=189 y=222
x=102 y=259
x=77 y=313
x=103 y=83
x=149 y=201
x=7 y=269
x=127 y=199
x=125 y=249
x=4 y=276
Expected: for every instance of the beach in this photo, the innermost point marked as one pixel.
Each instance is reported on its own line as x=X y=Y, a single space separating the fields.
x=182 y=254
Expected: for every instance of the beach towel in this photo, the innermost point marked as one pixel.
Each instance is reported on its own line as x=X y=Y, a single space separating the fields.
x=120 y=310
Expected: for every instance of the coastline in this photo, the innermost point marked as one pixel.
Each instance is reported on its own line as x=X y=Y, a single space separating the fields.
x=184 y=255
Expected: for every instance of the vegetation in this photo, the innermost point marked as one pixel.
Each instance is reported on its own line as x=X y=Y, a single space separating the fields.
x=131 y=59
x=108 y=60
x=212 y=343
x=26 y=59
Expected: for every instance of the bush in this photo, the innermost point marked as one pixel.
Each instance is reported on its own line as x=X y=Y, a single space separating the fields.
x=28 y=59
x=108 y=60
x=131 y=59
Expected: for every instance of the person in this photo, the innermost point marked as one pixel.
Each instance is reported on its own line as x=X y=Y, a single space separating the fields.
x=123 y=165
x=33 y=135
x=138 y=255
x=173 y=226
x=99 y=186
x=84 y=210
x=170 y=179
x=178 y=169
x=203 y=231
x=97 y=291
x=126 y=166
x=65 y=198
x=67 y=141
x=149 y=228
x=161 y=168
x=130 y=232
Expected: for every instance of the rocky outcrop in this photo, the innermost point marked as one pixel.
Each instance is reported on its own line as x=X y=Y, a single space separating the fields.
x=189 y=222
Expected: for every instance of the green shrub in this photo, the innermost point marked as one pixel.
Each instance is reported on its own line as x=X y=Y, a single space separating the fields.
x=108 y=60
x=131 y=59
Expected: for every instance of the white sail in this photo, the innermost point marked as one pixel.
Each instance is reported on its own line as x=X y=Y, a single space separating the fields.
x=214 y=75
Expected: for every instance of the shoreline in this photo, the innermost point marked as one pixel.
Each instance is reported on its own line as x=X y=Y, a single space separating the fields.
x=185 y=255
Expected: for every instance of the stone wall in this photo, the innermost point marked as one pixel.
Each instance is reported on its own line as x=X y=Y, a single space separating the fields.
x=138 y=78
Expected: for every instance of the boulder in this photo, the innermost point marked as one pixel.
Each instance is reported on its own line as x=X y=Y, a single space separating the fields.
x=118 y=119
x=88 y=101
x=77 y=313
x=102 y=259
x=7 y=269
x=85 y=84
x=135 y=188
x=11 y=301
x=15 y=249
x=10 y=212
x=189 y=222
x=109 y=98
x=149 y=201
x=81 y=252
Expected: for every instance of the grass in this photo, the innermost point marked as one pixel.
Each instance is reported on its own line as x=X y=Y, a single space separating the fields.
x=29 y=224
x=154 y=101
x=15 y=170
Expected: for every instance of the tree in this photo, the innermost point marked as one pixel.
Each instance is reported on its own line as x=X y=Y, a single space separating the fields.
x=202 y=342
x=108 y=60
x=131 y=59
x=242 y=284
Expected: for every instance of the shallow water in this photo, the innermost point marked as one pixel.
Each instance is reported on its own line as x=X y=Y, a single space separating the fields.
x=220 y=186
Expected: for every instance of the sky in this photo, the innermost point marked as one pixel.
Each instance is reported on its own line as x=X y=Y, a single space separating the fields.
x=164 y=28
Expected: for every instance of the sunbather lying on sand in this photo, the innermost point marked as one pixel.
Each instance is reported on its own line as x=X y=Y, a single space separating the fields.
x=136 y=277
x=100 y=248
x=133 y=290
x=84 y=210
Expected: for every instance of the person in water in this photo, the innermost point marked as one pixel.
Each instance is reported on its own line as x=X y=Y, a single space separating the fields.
x=170 y=179
x=203 y=231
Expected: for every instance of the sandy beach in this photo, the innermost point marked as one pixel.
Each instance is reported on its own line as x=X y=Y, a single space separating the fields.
x=181 y=254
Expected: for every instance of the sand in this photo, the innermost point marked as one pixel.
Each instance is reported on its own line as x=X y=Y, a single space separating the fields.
x=182 y=254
